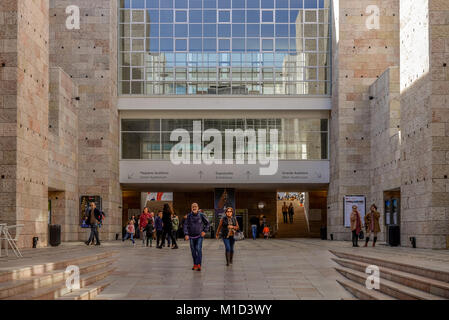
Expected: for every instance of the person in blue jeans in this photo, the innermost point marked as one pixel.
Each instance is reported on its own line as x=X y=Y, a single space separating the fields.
x=195 y=228
x=226 y=229
x=254 y=226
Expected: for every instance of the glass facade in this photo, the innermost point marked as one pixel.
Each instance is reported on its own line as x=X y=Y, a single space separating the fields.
x=219 y=47
x=299 y=139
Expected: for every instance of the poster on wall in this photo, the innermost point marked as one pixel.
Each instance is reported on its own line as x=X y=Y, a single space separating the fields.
x=348 y=202
x=156 y=200
x=224 y=198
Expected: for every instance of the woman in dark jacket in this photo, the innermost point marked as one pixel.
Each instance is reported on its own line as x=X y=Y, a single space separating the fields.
x=226 y=229
x=167 y=226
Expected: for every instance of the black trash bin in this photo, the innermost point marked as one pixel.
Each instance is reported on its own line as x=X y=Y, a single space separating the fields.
x=55 y=235
x=394 y=236
x=323 y=233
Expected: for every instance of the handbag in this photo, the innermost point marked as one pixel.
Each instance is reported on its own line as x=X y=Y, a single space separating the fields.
x=361 y=235
x=238 y=236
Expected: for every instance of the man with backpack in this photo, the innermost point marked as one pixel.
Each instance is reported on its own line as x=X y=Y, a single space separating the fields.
x=93 y=219
x=195 y=228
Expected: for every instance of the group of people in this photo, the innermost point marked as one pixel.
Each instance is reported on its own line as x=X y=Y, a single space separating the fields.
x=288 y=212
x=259 y=226
x=372 y=225
x=194 y=225
x=163 y=226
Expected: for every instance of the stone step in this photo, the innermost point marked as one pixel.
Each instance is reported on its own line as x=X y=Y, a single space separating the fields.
x=391 y=264
x=361 y=292
x=60 y=289
x=17 y=287
x=387 y=287
x=87 y=293
x=427 y=285
x=22 y=273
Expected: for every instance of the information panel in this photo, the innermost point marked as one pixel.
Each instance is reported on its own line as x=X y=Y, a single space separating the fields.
x=348 y=202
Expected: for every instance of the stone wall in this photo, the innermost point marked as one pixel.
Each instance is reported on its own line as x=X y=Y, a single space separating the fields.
x=63 y=156
x=385 y=164
x=89 y=57
x=439 y=110
x=360 y=56
x=424 y=122
x=24 y=117
x=8 y=110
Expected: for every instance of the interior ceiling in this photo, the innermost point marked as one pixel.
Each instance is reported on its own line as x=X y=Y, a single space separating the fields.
x=210 y=187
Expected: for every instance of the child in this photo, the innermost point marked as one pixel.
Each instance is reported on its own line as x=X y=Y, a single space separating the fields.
x=266 y=232
x=149 y=229
x=130 y=229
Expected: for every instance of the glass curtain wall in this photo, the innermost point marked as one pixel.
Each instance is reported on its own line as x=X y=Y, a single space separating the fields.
x=298 y=139
x=220 y=47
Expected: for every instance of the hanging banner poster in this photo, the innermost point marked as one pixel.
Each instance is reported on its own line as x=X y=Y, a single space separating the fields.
x=224 y=197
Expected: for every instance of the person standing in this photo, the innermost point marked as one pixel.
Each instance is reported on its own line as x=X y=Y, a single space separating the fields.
x=136 y=226
x=149 y=230
x=143 y=221
x=285 y=212
x=291 y=212
x=159 y=227
x=356 y=225
x=254 y=226
x=372 y=224
x=266 y=232
x=195 y=228
x=226 y=229
x=93 y=220
x=175 y=226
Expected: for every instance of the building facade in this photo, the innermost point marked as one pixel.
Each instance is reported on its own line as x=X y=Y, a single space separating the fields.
x=356 y=91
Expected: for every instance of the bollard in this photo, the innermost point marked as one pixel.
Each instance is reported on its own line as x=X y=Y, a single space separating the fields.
x=116 y=236
x=332 y=236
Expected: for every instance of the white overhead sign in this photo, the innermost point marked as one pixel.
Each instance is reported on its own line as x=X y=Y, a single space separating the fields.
x=143 y=171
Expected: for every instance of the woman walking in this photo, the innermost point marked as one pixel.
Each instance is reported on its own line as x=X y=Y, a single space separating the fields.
x=356 y=226
x=372 y=224
x=226 y=229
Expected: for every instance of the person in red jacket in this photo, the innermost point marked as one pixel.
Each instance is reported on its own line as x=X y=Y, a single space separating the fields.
x=143 y=221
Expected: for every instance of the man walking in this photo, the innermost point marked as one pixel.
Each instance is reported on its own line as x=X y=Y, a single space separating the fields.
x=195 y=228
x=93 y=220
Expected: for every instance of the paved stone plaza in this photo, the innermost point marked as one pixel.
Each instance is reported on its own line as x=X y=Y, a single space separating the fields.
x=263 y=269
x=273 y=269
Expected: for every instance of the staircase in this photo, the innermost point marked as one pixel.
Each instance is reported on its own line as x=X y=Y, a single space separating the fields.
x=397 y=280
x=48 y=281
x=297 y=229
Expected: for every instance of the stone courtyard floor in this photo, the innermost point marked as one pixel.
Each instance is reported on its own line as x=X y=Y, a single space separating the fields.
x=263 y=269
